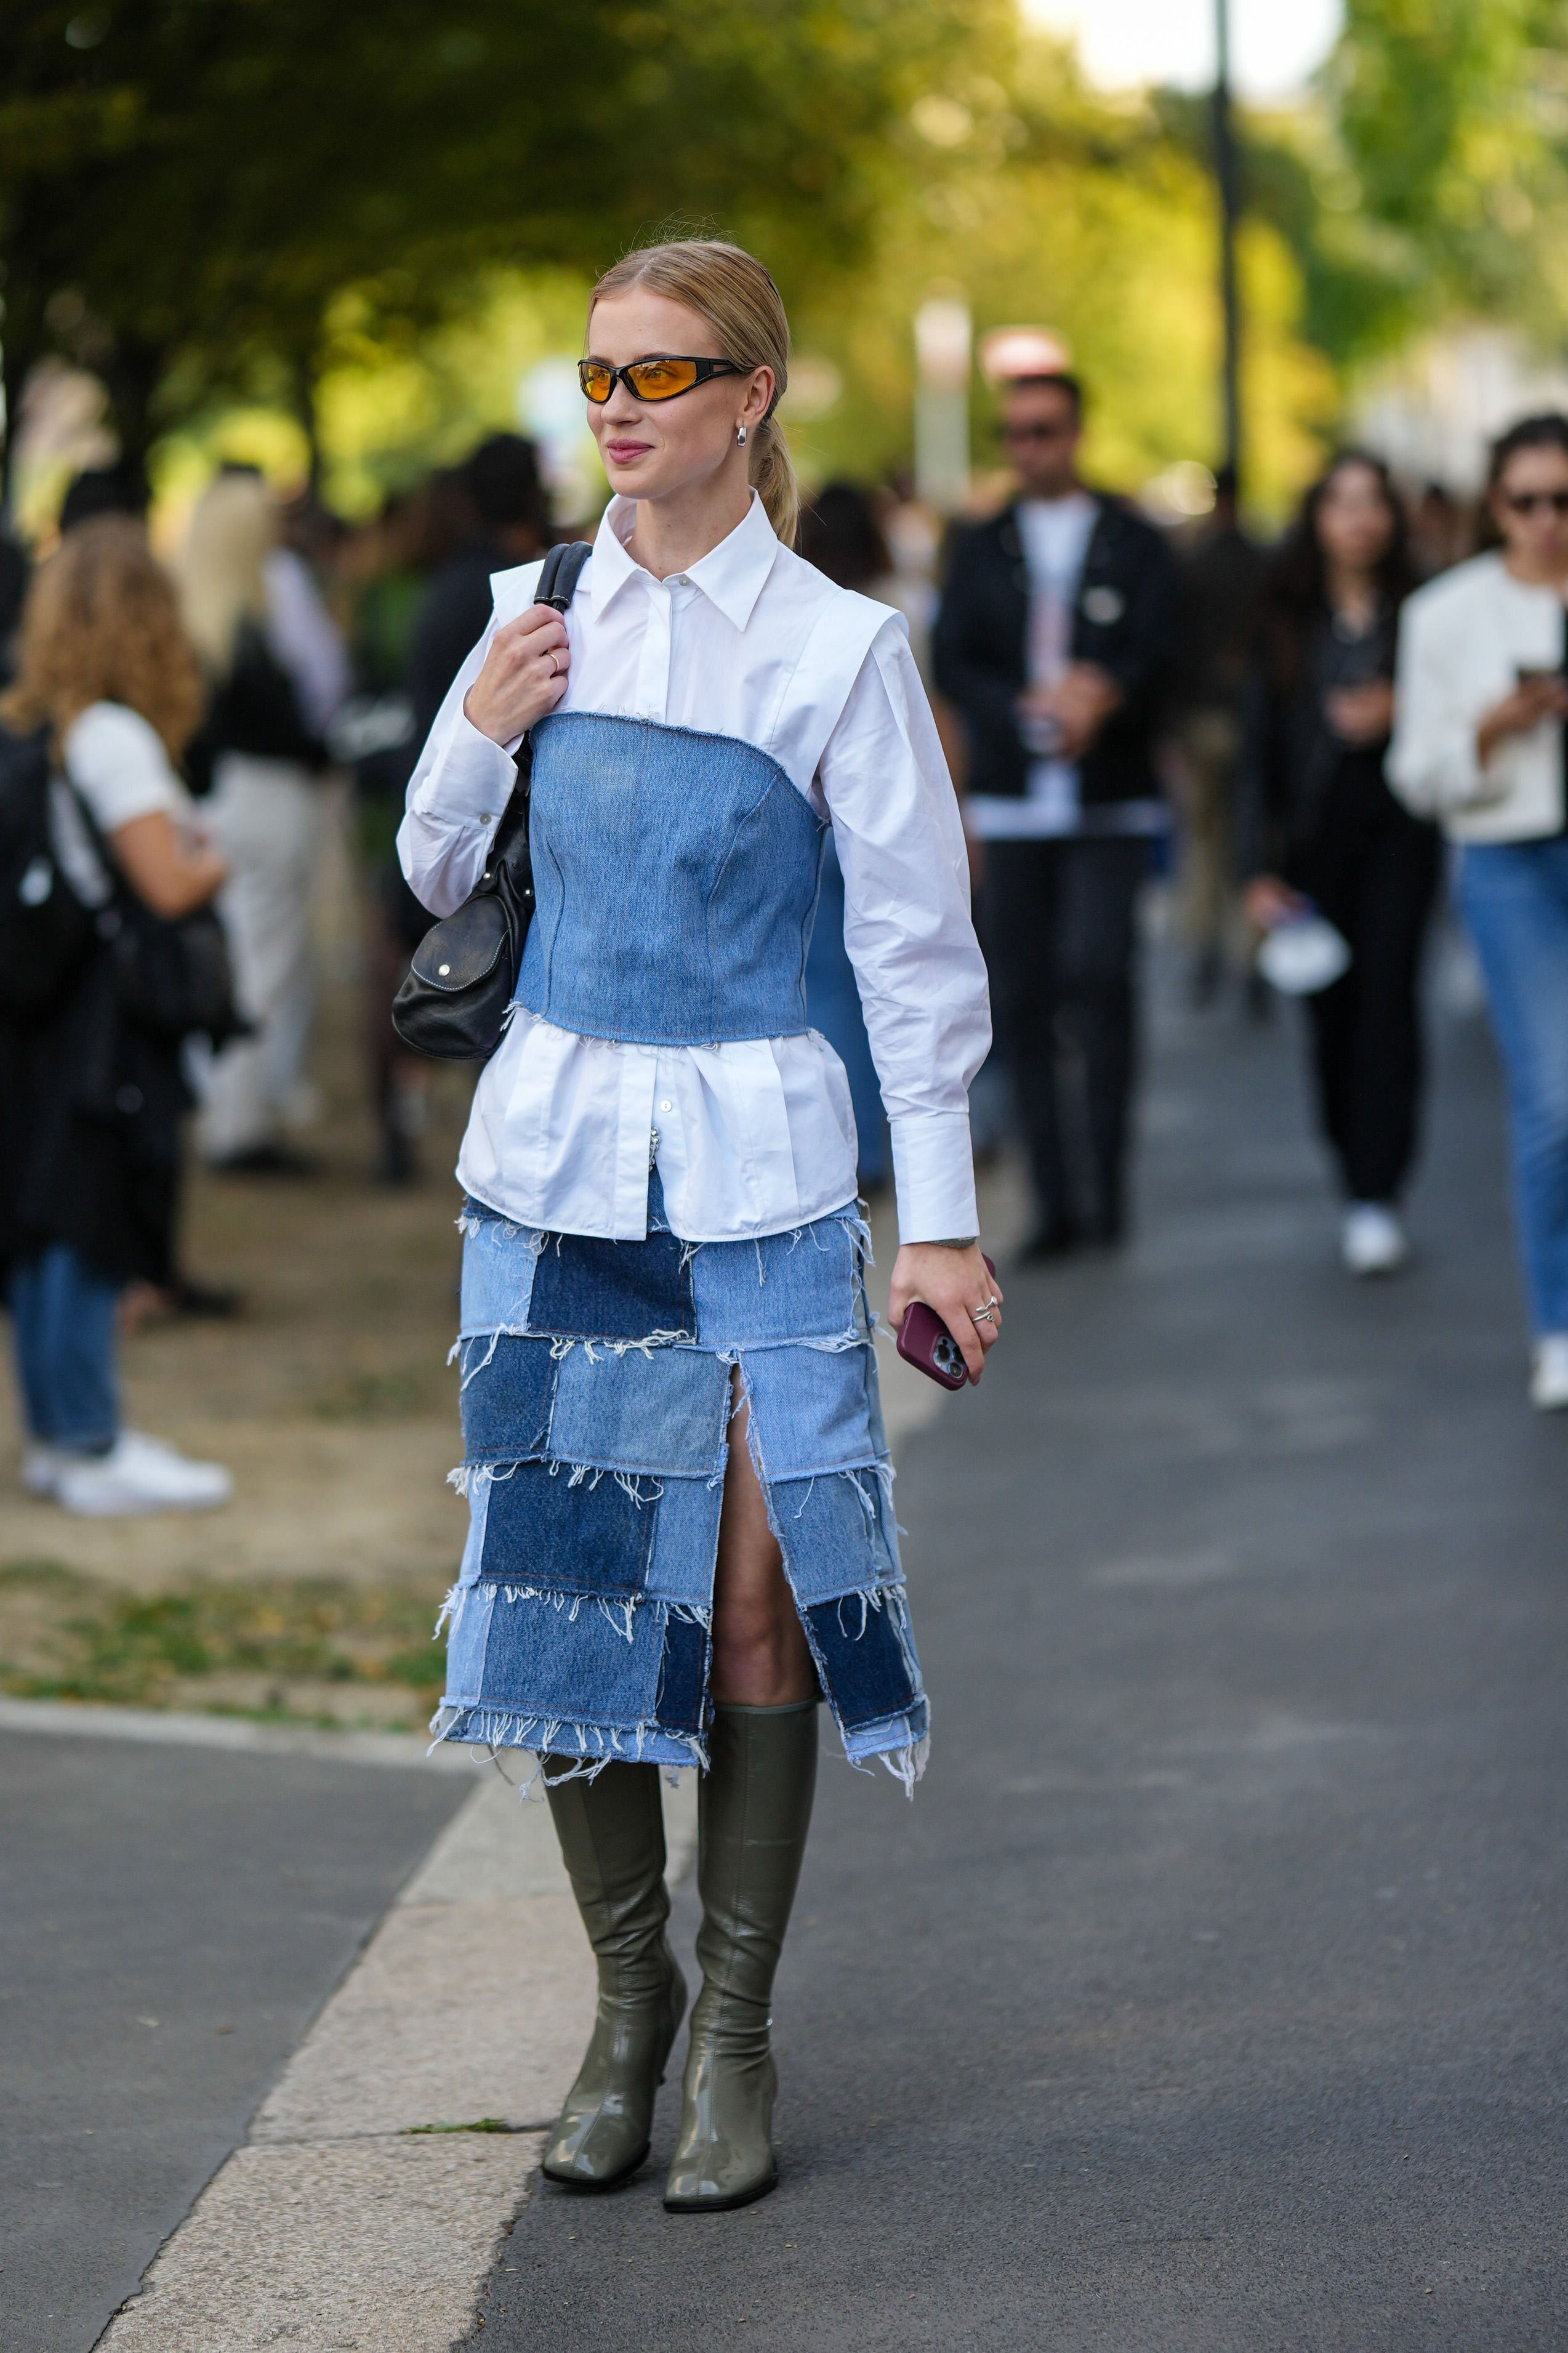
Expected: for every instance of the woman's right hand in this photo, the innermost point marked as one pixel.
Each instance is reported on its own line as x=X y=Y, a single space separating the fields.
x=1531 y=701
x=525 y=675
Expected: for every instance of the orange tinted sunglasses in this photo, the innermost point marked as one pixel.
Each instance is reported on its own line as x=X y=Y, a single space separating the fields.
x=661 y=377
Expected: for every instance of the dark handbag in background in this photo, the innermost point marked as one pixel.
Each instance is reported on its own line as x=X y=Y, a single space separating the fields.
x=454 y=998
x=173 y=975
x=45 y=932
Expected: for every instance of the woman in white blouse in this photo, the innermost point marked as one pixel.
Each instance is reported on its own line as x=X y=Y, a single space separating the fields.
x=682 y=1533
x=1481 y=704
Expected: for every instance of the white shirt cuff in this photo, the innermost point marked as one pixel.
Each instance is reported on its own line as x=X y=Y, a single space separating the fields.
x=471 y=779
x=934 y=1168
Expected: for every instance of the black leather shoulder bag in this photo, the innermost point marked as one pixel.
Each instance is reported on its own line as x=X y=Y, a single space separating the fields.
x=454 y=998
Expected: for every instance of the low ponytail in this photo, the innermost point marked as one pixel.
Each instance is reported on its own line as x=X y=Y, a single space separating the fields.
x=729 y=289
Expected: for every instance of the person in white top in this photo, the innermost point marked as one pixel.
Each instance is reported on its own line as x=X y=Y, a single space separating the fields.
x=276 y=674
x=91 y=1101
x=1481 y=701
x=669 y=1385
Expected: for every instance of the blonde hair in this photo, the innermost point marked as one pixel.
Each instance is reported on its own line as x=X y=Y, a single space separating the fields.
x=729 y=289
x=101 y=625
x=233 y=526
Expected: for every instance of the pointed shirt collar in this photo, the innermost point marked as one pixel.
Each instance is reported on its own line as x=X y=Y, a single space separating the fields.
x=731 y=576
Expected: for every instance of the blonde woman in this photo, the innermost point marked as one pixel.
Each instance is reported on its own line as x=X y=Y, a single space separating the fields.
x=91 y=1103
x=682 y=1533
x=274 y=671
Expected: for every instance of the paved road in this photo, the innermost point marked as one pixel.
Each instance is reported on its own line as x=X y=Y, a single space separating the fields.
x=169 y=1921
x=1211 y=1994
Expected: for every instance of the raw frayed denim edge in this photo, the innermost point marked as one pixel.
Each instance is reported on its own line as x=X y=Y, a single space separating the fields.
x=902 y=1743
x=589 y=1748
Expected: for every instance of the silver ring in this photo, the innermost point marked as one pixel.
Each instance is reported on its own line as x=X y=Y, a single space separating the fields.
x=983 y=1314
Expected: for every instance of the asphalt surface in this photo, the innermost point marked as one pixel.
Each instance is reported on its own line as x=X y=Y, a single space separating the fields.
x=1211 y=1993
x=171 y=1919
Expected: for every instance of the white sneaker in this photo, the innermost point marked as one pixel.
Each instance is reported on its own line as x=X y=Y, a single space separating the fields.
x=1549 y=1373
x=141 y=1474
x=41 y=1468
x=1372 y=1239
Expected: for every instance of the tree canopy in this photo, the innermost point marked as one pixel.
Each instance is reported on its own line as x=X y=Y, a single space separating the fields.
x=186 y=184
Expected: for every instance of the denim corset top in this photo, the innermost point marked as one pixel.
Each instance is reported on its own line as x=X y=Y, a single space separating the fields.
x=676 y=879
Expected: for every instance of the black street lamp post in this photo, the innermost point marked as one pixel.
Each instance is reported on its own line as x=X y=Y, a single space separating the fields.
x=1225 y=182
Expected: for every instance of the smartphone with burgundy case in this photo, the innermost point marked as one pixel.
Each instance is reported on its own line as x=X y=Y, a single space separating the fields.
x=925 y=1341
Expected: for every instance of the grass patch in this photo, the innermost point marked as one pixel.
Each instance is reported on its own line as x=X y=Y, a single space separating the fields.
x=373 y=1397
x=66 y=1636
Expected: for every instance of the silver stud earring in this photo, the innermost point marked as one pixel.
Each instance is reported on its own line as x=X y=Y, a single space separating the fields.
x=740 y=435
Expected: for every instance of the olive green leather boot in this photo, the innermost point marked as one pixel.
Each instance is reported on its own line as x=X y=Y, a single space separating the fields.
x=612 y=1840
x=754 y=1812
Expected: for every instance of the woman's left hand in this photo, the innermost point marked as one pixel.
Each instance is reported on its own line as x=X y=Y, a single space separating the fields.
x=959 y=1285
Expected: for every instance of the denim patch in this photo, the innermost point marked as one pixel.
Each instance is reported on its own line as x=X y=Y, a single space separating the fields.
x=838 y=1534
x=595 y=1290
x=663 y=1409
x=466 y=1635
x=900 y=1741
x=507 y=1387
x=686 y=1541
x=804 y=1284
x=813 y=1410
x=862 y=1659
x=683 y=1677
x=549 y=1656
x=567 y=1528
x=499 y=1259
x=479 y=1493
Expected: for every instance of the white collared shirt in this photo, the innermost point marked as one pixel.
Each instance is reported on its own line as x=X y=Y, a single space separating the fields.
x=755 y=1136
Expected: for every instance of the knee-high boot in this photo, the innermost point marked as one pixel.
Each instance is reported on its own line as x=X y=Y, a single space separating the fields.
x=754 y=1812
x=612 y=1839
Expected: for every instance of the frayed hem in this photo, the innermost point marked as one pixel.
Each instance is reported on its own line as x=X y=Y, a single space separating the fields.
x=588 y=1747
x=901 y=1743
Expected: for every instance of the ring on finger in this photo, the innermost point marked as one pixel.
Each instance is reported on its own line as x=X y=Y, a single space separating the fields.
x=983 y=1314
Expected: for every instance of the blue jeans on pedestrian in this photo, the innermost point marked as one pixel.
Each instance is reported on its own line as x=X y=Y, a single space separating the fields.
x=63 y=1317
x=1515 y=899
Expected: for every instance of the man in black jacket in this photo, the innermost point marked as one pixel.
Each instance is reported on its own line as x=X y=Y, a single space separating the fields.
x=1052 y=642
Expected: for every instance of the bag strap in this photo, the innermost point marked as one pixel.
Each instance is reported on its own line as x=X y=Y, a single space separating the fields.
x=563 y=570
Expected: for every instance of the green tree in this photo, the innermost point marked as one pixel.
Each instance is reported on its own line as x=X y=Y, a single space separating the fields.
x=1452 y=118
x=187 y=185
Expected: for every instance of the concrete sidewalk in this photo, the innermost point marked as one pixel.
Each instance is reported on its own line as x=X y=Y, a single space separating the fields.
x=170 y=1918
x=1210 y=1995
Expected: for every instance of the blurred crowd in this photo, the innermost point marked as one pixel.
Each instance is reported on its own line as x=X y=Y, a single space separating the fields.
x=1284 y=734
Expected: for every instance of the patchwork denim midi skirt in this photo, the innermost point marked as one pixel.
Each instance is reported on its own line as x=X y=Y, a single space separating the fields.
x=596 y=1403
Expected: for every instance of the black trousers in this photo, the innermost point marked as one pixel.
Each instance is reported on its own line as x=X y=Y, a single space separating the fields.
x=1057 y=924
x=1373 y=872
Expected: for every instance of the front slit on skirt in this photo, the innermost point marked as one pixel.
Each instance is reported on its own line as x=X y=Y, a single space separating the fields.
x=596 y=1401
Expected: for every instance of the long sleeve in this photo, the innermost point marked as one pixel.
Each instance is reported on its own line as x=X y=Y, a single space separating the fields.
x=908 y=933
x=459 y=788
x=1433 y=763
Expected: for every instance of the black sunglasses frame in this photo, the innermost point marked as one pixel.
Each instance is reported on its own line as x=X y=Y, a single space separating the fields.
x=706 y=371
